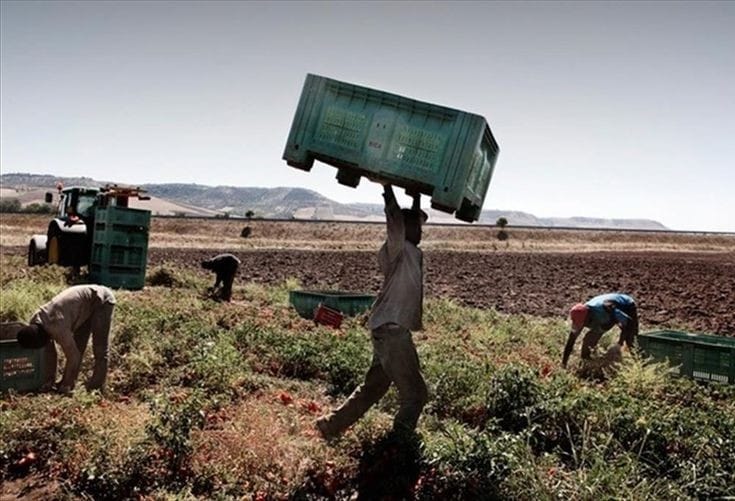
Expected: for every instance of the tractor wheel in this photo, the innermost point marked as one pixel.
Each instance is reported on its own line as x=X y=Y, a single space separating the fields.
x=54 y=250
x=32 y=254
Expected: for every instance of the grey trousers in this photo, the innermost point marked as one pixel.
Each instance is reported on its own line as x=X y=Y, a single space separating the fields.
x=394 y=361
x=98 y=325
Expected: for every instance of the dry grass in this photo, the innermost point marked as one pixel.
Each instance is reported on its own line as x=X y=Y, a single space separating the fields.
x=264 y=440
x=117 y=425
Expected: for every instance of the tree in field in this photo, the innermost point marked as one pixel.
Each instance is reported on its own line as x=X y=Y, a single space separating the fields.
x=36 y=208
x=250 y=214
x=10 y=205
x=502 y=223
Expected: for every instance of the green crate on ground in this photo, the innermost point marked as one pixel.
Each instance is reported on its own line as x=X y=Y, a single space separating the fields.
x=442 y=152
x=699 y=356
x=347 y=303
x=20 y=369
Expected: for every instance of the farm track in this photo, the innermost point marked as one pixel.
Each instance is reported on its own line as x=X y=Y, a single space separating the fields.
x=692 y=290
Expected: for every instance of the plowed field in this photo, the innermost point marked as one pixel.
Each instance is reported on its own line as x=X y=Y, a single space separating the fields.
x=679 y=280
x=689 y=290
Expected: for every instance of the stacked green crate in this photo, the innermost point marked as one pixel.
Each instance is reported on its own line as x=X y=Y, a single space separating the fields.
x=120 y=247
x=445 y=153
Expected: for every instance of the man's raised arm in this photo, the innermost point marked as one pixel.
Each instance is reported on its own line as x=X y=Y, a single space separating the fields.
x=396 y=228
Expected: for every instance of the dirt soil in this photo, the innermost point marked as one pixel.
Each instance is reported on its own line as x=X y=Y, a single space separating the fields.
x=687 y=290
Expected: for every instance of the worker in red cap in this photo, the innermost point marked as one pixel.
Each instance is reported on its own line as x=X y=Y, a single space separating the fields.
x=599 y=315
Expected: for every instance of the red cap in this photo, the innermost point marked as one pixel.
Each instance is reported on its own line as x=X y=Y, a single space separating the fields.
x=578 y=314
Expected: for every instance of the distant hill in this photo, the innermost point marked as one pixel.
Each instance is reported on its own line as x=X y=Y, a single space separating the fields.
x=264 y=202
x=299 y=203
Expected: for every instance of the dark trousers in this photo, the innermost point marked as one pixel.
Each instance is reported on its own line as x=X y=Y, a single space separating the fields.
x=98 y=326
x=628 y=334
x=226 y=278
x=394 y=361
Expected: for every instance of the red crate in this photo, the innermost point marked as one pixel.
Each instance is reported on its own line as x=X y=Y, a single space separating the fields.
x=327 y=316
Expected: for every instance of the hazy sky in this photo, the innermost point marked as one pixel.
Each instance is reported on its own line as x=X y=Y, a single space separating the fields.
x=600 y=109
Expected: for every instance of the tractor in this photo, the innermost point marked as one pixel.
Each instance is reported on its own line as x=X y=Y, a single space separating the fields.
x=68 y=240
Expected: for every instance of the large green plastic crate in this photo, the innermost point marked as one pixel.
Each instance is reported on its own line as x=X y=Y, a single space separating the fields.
x=445 y=153
x=699 y=356
x=120 y=247
x=20 y=369
x=348 y=303
x=125 y=216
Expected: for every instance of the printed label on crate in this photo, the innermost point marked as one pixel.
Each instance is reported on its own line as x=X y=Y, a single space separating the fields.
x=17 y=367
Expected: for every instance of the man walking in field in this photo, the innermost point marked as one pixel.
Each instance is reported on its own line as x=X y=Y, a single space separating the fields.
x=599 y=315
x=396 y=312
x=225 y=267
x=69 y=319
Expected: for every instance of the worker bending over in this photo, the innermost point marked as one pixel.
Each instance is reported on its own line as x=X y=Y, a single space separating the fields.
x=68 y=319
x=225 y=267
x=599 y=315
x=396 y=312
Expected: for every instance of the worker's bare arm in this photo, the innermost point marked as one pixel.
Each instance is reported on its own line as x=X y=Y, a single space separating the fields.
x=416 y=207
x=396 y=227
x=569 y=347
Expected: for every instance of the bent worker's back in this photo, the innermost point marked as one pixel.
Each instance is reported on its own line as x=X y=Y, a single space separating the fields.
x=72 y=307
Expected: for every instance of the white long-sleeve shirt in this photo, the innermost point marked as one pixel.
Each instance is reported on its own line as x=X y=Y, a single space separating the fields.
x=400 y=300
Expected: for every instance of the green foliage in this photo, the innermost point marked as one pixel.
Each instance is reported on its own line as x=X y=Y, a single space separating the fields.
x=463 y=463
x=161 y=459
x=168 y=276
x=36 y=208
x=10 y=205
x=341 y=361
x=216 y=364
x=13 y=205
x=503 y=420
x=458 y=387
x=274 y=295
x=514 y=393
x=21 y=298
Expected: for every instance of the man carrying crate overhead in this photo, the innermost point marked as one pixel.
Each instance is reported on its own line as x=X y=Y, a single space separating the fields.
x=599 y=315
x=396 y=312
x=69 y=319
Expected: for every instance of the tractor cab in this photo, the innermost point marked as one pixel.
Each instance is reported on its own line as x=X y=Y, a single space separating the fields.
x=77 y=204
